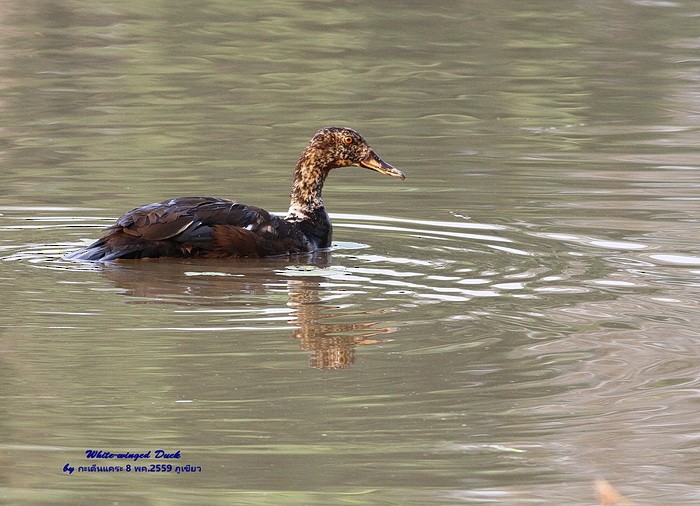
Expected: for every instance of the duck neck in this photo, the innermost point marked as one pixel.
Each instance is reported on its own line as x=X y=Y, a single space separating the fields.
x=309 y=176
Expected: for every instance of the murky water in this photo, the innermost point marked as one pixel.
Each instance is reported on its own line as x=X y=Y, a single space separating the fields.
x=516 y=319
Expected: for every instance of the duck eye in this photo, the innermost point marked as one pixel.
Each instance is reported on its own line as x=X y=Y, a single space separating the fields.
x=348 y=140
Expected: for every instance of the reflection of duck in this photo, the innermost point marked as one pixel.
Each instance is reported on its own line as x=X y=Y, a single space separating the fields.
x=213 y=228
x=332 y=345
x=319 y=324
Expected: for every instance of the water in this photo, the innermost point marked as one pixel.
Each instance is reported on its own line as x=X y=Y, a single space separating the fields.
x=515 y=320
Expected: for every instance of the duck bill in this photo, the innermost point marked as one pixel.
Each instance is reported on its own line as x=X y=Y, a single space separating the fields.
x=373 y=162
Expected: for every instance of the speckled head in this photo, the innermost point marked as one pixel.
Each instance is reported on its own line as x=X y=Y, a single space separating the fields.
x=330 y=148
x=340 y=147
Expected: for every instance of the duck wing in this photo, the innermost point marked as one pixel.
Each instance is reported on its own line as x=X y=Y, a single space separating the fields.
x=196 y=226
x=178 y=218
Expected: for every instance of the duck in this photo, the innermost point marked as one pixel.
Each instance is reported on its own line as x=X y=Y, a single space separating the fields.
x=211 y=227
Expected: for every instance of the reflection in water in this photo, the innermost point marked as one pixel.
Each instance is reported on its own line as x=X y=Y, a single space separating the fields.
x=331 y=343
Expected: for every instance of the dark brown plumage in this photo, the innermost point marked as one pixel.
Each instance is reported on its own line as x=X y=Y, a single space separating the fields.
x=210 y=227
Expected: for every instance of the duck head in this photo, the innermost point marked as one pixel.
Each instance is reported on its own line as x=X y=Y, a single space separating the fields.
x=330 y=148
x=334 y=147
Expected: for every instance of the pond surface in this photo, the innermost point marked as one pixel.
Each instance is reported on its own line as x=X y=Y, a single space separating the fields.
x=514 y=321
